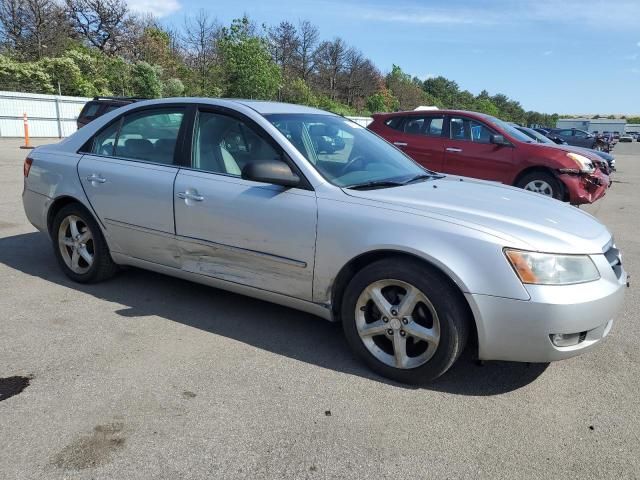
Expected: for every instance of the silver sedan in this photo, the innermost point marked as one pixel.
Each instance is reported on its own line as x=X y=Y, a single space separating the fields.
x=304 y=208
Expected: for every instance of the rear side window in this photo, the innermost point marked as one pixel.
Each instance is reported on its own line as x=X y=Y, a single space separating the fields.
x=150 y=135
x=429 y=126
x=104 y=141
x=90 y=109
x=394 y=122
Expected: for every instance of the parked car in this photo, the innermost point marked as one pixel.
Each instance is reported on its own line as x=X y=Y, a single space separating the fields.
x=579 y=138
x=101 y=105
x=606 y=160
x=554 y=138
x=626 y=138
x=481 y=146
x=413 y=263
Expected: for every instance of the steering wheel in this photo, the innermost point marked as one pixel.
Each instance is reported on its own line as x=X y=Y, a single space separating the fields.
x=348 y=166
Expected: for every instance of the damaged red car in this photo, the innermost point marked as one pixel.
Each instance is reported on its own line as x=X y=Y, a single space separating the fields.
x=481 y=146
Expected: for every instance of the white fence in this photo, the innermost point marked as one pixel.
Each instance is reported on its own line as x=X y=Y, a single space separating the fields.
x=53 y=115
x=49 y=115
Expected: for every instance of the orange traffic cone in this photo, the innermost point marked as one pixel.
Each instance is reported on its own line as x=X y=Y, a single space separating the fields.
x=26 y=133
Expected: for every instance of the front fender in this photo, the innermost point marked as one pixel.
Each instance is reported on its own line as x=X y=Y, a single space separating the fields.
x=471 y=258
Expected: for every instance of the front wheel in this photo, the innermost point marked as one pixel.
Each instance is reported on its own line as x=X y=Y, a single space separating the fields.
x=543 y=183
x=406 y=321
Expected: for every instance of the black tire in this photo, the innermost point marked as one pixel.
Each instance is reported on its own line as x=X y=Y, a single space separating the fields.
x=448 y=303
x=556 y=186
x=102 y=266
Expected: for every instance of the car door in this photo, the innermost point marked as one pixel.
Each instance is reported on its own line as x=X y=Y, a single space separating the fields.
x=469 y=151
x=582 y=139
x=251 y=233
x=422 y=140
x=128 y=174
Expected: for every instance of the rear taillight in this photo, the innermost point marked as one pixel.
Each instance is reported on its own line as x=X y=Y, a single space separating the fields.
x=27 y=166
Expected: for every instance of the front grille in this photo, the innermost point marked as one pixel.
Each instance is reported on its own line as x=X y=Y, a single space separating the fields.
x=612 y=254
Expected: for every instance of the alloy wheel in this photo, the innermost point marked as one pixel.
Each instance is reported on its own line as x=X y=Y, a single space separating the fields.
x=76 y=244
x=397 y=324
x=539 y=186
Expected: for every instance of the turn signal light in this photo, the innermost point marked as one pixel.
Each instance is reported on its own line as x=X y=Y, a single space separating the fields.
x=27 y=166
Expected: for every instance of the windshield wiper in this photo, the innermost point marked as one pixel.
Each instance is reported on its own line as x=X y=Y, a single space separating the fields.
x=423 y=176
x=374 y=184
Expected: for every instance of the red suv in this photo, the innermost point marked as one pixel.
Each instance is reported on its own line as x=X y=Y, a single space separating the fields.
x=477 y=145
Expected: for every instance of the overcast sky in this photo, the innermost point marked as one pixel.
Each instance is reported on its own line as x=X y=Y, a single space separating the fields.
x=571 y=56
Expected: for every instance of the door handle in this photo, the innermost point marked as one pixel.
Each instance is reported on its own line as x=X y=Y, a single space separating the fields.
x=400 y=144
x=96 y=178
x=190 y=196
x=454 y=150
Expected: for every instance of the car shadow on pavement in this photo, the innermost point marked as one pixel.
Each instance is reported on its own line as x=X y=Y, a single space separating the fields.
x=267 y=326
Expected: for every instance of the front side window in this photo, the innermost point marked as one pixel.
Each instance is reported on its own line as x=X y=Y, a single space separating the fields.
x=580 y=134
x=345 y=153
x=224 y=144
x=150 y=135
x=470 y=130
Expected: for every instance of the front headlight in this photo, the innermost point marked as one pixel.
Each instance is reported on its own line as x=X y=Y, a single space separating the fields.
x=550 y=269
x=583 y=162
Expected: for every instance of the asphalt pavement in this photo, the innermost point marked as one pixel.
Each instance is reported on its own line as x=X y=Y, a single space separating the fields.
x=146 y=376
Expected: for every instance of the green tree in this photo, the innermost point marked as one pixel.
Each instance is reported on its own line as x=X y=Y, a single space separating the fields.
x=297 y=91
x=173 y=88
x=485 y=105
x=408 y=94
x=382 y=101
x=246 y=65
x=145 y=80
x=24 y=77
x=67 y=77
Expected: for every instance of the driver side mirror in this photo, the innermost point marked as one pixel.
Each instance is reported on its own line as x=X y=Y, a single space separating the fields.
x=498 y=140
x=271 y=171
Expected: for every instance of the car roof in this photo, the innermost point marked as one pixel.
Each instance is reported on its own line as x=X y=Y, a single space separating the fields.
x=263 y=107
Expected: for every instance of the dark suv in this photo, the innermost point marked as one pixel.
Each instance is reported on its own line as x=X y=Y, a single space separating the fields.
x=101 y=105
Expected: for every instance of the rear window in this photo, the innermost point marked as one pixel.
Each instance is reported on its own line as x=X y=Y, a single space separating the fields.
x=90 y=109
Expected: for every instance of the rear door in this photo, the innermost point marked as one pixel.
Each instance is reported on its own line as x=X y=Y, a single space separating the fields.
x=128 y=174
x=422 y=140
x=469 y=152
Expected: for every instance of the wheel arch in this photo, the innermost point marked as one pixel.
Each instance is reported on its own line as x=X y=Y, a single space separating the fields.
x=349 y=270
x=61 y=202
x=544 y=169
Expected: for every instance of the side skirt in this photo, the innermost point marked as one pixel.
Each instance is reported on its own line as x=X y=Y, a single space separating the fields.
x=322 y=311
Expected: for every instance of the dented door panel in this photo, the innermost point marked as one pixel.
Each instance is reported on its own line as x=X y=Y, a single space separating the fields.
x=246 y=232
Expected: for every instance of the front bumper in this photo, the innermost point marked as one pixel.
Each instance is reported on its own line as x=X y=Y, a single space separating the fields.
x=585 y=188
x=517 y=330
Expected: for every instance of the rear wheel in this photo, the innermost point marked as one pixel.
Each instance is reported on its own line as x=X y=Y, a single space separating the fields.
x=80 y=247
x=543 y=183
x=406 y=321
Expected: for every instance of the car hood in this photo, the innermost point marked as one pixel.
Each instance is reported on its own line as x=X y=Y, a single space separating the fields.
x=511 y=214
x=587 y=152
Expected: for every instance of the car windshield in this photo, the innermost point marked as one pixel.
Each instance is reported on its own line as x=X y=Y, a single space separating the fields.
x=510 y=129
x=345 y=153
x=536 y=135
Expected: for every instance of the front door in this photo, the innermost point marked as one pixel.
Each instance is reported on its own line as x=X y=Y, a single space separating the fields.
x=469 y=152
x=128 y=176
x=241 y=231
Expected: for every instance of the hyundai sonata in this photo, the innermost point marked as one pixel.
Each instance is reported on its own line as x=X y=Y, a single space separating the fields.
x=238 y=195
